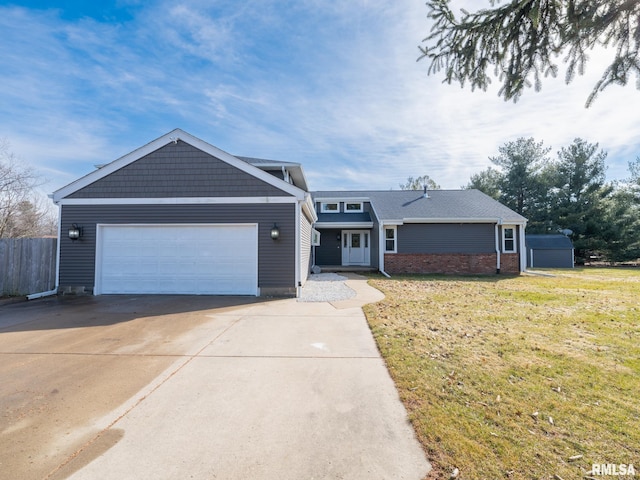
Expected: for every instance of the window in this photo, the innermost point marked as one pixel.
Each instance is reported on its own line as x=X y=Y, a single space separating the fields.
x=353 y=207
x=332 y=207
x=390 y=240
x=508 y=239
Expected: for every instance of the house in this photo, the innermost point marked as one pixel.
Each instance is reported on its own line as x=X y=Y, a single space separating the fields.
x=408 y=231
x=549 y=251
x=180 y=216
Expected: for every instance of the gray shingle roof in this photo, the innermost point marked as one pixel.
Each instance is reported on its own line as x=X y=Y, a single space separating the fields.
x=445 y=205
x=548 y=242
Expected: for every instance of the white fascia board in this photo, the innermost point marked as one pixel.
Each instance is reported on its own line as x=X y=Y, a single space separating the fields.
x=309 y=209
x=302 y=177
x=353 y=225
x=170 y=137
x=341 y=199
x=458 y=220
x=175 y=201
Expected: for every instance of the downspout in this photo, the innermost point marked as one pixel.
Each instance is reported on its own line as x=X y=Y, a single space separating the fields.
x=298 y=248
x=285 y=175
x=33 y=296
x=48 y=293
x=523 y=248
x=381 y=250
x=498 y=223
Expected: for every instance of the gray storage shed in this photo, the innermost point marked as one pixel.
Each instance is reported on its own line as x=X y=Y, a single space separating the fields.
x=549 y=251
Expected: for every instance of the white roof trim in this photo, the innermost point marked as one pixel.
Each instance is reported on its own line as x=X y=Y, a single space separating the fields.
x=174 y=136
x=453 y=220
x=341 y=199
x=175 y=200
x=309 y=209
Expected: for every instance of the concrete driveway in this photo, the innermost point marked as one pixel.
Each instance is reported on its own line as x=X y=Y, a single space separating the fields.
x=131 y=387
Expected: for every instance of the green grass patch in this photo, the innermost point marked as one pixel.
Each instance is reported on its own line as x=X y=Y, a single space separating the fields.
x=511 y=377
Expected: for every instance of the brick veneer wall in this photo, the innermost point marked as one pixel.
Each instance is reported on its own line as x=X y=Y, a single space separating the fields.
x=461 y=263
x=510 y=263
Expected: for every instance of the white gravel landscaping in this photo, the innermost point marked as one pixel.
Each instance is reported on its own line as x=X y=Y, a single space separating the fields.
x=325 y=287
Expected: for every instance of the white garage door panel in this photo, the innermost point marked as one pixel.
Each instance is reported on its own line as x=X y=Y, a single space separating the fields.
x=188 y=259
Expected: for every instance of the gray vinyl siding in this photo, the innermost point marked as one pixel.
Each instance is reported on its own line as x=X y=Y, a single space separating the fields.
x=305 y=247
x=177 y=170
x=550 y=258
x=375 y=238
x=446 y=238
x=276 y=259
x=329 y=252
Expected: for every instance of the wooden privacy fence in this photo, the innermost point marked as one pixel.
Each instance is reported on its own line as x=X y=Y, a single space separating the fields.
x=27 y=265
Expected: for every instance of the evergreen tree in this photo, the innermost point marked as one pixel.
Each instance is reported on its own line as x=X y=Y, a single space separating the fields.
x=568 y=193
x=621 y=232
x=576 y=192
x=521 y=164
x=522 y=40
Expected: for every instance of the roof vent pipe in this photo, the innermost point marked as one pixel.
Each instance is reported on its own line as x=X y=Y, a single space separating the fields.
x=425 y=194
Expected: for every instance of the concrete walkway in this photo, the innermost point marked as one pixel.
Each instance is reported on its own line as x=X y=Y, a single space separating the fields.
x=274 y=390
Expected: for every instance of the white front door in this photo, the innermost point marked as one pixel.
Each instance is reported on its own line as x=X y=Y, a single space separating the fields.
x=355 y=247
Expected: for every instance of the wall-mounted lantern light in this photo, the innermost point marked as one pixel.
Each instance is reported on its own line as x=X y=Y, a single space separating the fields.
x=338 y=237
x=75 y=232
x=275 y=232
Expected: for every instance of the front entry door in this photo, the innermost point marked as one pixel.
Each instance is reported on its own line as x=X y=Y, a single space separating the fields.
x=355 y=247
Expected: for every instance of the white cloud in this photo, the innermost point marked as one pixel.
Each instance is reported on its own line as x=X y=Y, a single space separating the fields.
x=333 y=85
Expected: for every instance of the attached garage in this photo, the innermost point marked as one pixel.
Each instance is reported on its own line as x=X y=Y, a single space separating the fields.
x=180 y=216
x=177 y=259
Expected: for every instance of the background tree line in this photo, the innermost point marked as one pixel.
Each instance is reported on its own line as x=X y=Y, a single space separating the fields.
x=568 y=192
x=23 y=213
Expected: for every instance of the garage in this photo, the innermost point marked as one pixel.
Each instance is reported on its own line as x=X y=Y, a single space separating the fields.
x=207 y=259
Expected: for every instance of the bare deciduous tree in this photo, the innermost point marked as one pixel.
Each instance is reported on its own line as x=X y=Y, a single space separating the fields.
x=21 y=211
x=419 y=183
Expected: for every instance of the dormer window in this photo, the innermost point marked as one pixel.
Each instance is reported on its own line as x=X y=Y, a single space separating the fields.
x=353 y=207
x=330 y=207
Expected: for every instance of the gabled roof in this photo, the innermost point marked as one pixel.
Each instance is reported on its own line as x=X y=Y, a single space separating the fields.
x=173 y=137
x=448 y=206
x=548 y=242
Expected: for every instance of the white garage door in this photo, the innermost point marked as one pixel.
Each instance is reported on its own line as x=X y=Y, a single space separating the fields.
x=183 y=259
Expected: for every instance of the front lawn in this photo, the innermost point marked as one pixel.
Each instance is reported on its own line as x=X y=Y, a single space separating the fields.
x=528 y=377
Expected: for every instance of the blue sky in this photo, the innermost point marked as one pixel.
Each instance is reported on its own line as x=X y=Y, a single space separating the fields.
x=333 y=85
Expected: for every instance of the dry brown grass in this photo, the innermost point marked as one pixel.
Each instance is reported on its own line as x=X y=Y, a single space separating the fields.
x=511 y=377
